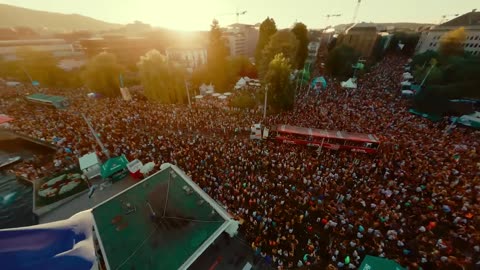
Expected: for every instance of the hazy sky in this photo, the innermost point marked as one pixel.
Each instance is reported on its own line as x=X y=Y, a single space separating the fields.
x=198 y=14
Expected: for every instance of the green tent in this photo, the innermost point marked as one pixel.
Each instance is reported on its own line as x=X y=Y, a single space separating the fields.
x=472 y=120
x=56 y=101
x=115 y=167
x=433 y=118
x=377 y=263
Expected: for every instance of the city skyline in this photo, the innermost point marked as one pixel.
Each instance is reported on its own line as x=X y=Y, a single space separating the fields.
x=198 y=15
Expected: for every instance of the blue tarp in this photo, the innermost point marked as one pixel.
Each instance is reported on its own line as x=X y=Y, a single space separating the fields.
x=60 y=245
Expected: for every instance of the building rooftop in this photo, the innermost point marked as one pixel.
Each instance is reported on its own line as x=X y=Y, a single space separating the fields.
x=163 y=222
x=468 y=19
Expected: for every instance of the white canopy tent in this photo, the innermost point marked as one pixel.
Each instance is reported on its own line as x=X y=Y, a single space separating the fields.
x=90 y=165
x=215 y=94
x=407 y=76
x=222 y=97
x=199 y=97
x=407 y=93
x=406 y=83
x=349 y=84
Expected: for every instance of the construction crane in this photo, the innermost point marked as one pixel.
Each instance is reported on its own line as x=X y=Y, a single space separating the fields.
x=331 y=15
x=444 y=17
x=355 y=13
x=238 y=13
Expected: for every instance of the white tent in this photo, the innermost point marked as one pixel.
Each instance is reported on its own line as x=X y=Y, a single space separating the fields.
x=222 y=97
x=90 y=165
x=134 y=165
x=203 y=88
x=241 y=83
x=407 y=93
x=227 y=94
x=407 y=76
x=215 y=94
x=406 y=83
x=349 y=84
x=199 y=97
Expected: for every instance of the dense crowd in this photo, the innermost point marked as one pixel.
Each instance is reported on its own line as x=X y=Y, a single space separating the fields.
x=415 y=201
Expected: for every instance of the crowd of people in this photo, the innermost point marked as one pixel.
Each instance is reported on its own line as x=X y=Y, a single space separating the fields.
x=416 y=201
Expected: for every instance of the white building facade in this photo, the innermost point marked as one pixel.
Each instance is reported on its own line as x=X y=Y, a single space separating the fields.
x=430 y=39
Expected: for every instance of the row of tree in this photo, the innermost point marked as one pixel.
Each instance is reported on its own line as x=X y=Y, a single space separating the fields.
x=278 y=53
x=450 y=73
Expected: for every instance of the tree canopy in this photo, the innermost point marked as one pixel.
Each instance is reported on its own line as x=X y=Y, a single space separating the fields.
x=451 y=44
x=340 y=60
x=38 y=66
x=280 y=87
x=267 y=29
x=283 y=42
x=102 y=74
x=301 y=33
x=161 y=81
x=217 y=58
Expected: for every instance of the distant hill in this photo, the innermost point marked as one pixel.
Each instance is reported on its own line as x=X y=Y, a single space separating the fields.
x=12 y=16
x=398 y=26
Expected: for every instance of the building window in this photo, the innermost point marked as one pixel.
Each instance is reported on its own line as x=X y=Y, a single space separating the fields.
x=476 y=37
x=431 y=44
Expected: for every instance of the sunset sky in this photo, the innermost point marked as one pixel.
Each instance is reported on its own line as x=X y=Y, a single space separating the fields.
x=198 y=14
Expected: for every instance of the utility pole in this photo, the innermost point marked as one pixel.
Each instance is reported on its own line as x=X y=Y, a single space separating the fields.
x=188 y=93
x=104 y=150
x=265 y=105
x=434 y=62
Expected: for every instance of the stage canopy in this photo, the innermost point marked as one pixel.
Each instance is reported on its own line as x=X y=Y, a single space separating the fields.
x=377 y=263
x=163 y=222
x=5 y=118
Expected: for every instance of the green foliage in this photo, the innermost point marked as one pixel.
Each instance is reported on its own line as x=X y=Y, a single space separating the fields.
x=217 y=58
x=267 y=29
x=161 y=81
x=409 y=39
x=244 y=100
x=451 y=42
x=282 y=42
x=340 y=60
x=301 y=33
x=38 y=66
x=102 y=74
x=240 y=66
x=280 y=87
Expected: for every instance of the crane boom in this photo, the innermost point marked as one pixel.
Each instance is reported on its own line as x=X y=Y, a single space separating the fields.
x=355 y=13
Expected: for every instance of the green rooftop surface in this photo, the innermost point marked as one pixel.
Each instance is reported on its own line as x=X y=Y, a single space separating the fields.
x=46 y=98
x=133 y=238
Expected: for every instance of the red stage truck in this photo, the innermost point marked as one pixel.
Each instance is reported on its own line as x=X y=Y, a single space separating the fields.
x=335 y=140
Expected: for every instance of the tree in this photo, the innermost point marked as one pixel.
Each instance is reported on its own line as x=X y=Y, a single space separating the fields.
x=283 y=42
x=161 y=81
x=301 y=33
x=240 y=66
x=340 y=60
x=267 y=29
x=102 y=74
x=280 y=87
x=39 y=66
x=451 y=42
x=217 y=58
